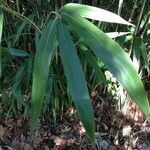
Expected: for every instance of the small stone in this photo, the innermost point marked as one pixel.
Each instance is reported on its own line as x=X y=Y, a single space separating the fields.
x=104 y=145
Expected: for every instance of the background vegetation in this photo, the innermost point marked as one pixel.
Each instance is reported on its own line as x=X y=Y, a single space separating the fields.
x=25 y=32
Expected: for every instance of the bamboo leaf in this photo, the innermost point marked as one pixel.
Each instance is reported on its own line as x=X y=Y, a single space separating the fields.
x=94 y=13
x=16 y=86
x=139 y=49
x=18 y=95
x=19 y=75
x=75 y=80
x=139 y=45
x=113 y=56
x=145 y=56
x=136 y=53
x=17 y=52
x=45 y=50
x=21 y=28
x=48 y=94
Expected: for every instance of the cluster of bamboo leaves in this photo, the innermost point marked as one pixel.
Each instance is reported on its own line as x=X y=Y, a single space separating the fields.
x=56 y=36
x=57 y=39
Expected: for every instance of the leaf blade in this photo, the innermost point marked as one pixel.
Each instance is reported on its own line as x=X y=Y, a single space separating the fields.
x=113 y=56
x=94 y=13
x=76 y=80
x=45 y=50
x=18 y=52
x=16 y=86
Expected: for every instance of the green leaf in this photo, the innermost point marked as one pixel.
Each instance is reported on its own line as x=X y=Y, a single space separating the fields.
x=94 y=13
x=1 y=29
x=88 y=56
x=19 y=75
x=18 y=95
x=136 y=53
x=20 y=29
x=145 y=56
x=16 y=86
x=48 y=94
x=29 y=72
x=138 y=50
x=76 y=80
x=113 y=56
x=17 y=52
x=46 y=48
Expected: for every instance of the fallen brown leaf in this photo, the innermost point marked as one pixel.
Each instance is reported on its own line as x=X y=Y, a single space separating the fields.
x=2 y=132
x=27 y=147
x=46 y=147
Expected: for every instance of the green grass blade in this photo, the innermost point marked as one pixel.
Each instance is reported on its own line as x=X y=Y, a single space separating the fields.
x=18 y=95
x=94 y=13
x=29 y=72
x=21 y=28
x=16 y=86
x=136 y=53
x=75 y=80
x=45 y=50
x=19 y=75
x=1 y=29
x=17 y=52
x=145 y=56
x=138 y=50
x=113 y=56
x=48 y=94
x=142 y=48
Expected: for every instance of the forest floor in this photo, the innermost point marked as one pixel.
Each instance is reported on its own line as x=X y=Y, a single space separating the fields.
x=114 y=131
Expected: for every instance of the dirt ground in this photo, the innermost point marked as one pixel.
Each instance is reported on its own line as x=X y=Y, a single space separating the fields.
x=114 y=131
